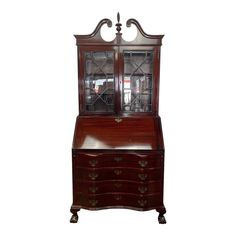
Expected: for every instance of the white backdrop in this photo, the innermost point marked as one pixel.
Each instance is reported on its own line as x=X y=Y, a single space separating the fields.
x=38 y=105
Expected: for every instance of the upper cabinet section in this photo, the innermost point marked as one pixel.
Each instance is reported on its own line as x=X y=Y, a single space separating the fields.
x=95 y=37
x=118 y=78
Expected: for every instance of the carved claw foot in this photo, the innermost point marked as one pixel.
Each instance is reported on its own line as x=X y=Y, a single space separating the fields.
x=74 y=218
x=161 y=219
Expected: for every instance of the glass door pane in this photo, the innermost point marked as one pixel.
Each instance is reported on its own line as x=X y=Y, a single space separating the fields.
x=99 y=81
x=137 y=81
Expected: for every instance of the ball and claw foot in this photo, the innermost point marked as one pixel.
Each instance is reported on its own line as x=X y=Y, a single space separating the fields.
x=161 y=219
x=74 y=218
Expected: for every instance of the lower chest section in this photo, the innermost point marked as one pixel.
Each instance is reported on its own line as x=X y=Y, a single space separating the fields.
x=106 y=180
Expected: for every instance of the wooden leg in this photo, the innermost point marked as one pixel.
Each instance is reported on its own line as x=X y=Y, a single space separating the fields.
x=74 y=218
x=161 y=217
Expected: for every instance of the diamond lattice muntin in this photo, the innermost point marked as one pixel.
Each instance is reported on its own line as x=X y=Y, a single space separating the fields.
x=137 y=81
x=99 y=81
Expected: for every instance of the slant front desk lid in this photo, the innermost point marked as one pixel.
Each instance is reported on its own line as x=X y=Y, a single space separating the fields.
x=120 y=133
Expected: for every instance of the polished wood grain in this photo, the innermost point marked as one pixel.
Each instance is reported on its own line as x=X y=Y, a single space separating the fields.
x=119 y=160
x=118 y=186
x=132 y=133
x=119 y=200
x=118 y=156
x=119 y=173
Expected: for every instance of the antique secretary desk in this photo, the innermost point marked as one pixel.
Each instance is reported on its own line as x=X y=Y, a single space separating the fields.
x=118 y=149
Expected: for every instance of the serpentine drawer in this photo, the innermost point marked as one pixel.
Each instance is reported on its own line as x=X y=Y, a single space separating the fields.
x=118 y=186
x=139 y=202
x=111 y=173
x=118 y=160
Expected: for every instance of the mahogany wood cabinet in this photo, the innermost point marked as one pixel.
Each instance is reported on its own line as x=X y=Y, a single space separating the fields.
x=118 y=148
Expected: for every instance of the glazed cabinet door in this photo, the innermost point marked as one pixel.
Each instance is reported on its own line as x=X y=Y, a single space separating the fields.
x=138 y=67
x=97 y=80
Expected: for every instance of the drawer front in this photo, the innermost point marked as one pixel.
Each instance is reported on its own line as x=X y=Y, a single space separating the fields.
x=110 y=173
x=115 y=186
x=118 y=160
x=118 y=200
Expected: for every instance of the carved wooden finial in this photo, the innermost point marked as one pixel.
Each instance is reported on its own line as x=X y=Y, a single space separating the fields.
x=118 y=17
x=118 y=24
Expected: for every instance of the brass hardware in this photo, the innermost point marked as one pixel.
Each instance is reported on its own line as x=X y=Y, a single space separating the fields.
x=117 y=159
x=93 y=162
x=93 y=175
x=93 y=202
x=117 y=172
x=143 y=163
x=93 y=189
x=118 y=197
x=118 y=120
x=142 y=189
x=142 y=202
x=142 y=176
x=117 y=185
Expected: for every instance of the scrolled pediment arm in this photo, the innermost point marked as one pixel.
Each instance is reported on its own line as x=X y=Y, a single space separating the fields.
x=100 y=24
x=97 y=29
x=140 y=29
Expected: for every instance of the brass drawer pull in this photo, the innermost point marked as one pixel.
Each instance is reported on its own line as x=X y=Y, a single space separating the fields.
x=118 y=172
x=93 y=175
x=118 y=120
x=93 y=202
x=142 y=202
x=142 y=189
x=93 y=189
x=142 y=176
x=143 y=163
x=117 y=185
x=117 y=159
x=118 y=197
x=93 y=162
